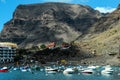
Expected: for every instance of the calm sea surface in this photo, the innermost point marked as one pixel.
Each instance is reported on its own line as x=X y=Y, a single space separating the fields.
x=41 y=75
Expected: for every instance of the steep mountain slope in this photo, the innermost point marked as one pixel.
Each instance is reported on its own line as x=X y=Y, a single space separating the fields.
x=103 y=40
x=41 y=23
x=104 y=35
x=108 y=21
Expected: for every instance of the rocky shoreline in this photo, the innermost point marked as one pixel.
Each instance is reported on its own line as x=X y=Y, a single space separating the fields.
x=101 y=61
x=65 y=57
x=84 y=62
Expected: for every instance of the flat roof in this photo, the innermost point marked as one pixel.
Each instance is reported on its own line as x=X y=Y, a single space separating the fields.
x=8 y=44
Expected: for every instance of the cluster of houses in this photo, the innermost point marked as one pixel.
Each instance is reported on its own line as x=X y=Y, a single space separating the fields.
x=52 y=45
x=8 y=50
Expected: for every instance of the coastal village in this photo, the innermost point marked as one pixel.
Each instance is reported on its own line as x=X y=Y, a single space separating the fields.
x=8 y=53
x=60 y=41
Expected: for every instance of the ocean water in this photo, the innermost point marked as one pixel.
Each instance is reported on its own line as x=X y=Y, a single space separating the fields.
x=42 y=75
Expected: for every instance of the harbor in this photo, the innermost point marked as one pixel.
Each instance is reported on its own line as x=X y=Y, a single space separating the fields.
x=61 y=73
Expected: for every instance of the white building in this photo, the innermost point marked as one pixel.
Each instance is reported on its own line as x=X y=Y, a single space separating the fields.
x=7 y=52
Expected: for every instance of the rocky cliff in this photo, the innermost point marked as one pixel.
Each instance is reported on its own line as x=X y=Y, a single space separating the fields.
x=104 y=35
x=104 y=38
x=41 y=23
x=108 y=21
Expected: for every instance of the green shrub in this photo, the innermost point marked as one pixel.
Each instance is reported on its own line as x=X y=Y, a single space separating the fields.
x=43 y=46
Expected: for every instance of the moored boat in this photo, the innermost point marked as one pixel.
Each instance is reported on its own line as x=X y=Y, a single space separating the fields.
x=15 y=68
x=107 y=70
x=93 y=67
x=87 y=71
x=24 y=69
x=69 y=71
x=4 y=69
x=51 y=69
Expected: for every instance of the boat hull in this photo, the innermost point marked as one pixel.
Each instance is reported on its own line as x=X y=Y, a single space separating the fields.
x=88 y=72
x=6 y=70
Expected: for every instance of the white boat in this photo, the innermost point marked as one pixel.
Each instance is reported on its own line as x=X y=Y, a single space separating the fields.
x=23 y=69
x=107 y=70
x=4 y=69
x=15 y=69
x=51 y=69
x=51 y=72
x=69 y=71
x=88 y=71
x=93 y=67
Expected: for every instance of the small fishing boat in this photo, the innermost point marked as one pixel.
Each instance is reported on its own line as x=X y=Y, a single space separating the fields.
x=107 y=70
x=51 y=69
x=93 y=67
x=87 y=71
x=69 y=71
x=15 y=68
x=23 y=69
x=4 y=69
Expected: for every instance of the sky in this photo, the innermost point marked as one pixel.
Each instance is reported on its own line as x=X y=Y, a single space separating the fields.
x=7 y=7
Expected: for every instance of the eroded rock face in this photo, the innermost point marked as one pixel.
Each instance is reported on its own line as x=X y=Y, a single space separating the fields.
x=108 y=21
x=41 y=23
